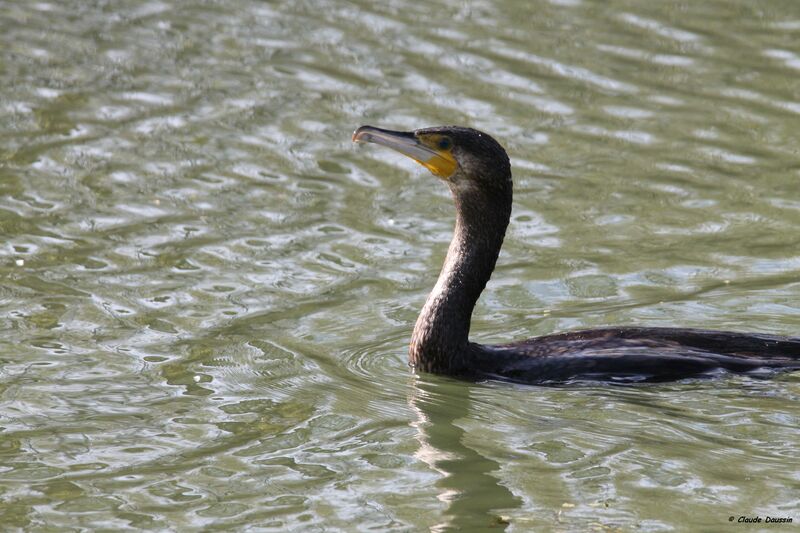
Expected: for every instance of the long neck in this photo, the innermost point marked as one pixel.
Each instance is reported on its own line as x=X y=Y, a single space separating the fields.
x=440 y=340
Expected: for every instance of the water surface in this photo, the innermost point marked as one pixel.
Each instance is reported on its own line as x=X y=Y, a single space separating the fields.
x=206 y=291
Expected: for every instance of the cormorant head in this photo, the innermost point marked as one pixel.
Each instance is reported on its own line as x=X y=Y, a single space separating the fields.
x=464 y=157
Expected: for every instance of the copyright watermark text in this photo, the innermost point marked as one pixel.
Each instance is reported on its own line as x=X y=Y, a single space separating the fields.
x=759 y=520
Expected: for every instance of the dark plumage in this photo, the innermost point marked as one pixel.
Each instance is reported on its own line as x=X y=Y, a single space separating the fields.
x=477 y=170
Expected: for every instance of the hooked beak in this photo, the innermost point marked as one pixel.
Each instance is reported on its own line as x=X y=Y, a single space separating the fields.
x=441 y=163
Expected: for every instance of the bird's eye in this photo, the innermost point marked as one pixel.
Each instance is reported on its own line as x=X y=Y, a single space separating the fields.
x=445 y=143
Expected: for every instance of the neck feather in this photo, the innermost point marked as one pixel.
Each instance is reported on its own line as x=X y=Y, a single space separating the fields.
x=440 y=342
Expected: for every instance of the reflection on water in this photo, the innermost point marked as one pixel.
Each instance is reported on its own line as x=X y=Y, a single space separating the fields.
x=206 y=291
x=472 y=494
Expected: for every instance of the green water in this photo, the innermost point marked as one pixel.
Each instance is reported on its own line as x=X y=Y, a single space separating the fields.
x=206 y=291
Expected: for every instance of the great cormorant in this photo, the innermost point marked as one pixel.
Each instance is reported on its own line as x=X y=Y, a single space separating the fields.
x=478 y=172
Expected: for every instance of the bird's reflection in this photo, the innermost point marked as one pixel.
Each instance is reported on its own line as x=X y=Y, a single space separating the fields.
x=468 y=487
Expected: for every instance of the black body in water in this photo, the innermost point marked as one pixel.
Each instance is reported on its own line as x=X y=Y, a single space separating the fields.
x=478 y=172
